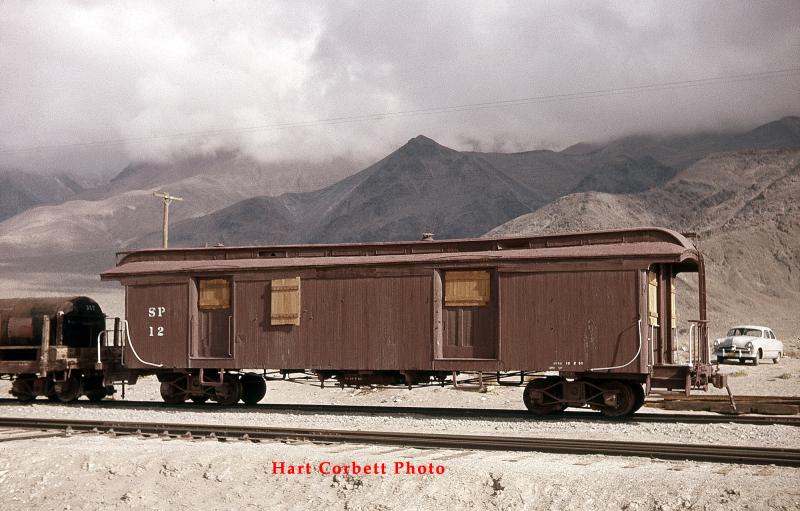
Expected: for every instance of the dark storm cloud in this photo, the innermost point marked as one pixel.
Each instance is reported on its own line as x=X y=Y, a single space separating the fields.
x=81 y=72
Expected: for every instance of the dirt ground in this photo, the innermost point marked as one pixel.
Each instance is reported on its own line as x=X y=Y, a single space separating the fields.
x=91 y=472
x=765 y=379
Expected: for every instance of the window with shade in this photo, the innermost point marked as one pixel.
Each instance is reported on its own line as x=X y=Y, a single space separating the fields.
x=466 y=288
x=213 y=294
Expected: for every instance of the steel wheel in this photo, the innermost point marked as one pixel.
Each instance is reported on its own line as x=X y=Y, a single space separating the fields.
x=24 y=388
x=230 y=391
x=624 y=402
x=174 y=392
x=638 y=395
x=51 y=390
x=536 y=398
x=68 y=390
x=94 y=389
x=254 y=388
x=95 y=396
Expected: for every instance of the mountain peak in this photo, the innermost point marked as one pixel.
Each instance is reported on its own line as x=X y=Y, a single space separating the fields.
x=422 y=140
x=422 y=146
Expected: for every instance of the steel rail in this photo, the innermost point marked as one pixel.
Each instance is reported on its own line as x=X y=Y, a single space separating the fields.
x=446 y=412
x=706 y=453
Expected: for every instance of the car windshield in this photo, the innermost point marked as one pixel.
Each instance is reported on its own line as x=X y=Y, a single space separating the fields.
x=744 y=331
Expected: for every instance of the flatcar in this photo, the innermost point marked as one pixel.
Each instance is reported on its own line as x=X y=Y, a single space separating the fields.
x=595 y=311
x=55 y=347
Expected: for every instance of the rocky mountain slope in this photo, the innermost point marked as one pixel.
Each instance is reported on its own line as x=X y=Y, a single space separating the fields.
x=424 y=186
x=110 y=217
x=20 y=191
x=743 y=206
x=680 y=151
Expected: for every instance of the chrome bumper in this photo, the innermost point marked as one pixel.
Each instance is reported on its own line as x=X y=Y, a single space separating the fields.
x=730 y=352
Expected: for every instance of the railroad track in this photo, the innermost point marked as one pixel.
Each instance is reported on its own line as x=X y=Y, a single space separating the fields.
x=707 y=453
x=477 y=413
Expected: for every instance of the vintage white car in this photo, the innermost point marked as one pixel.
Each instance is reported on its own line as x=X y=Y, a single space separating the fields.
x=748 y=342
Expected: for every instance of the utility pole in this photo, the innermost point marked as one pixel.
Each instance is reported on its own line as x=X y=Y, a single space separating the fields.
x=168 y=199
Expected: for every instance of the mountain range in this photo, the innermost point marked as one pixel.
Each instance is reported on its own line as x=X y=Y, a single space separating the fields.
x=20 y=191
x=735 y=189
x=741 y=205
x=114 y=215
x=426 y=187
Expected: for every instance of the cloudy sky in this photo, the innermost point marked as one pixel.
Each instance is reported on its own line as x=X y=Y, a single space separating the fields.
x=93 y=85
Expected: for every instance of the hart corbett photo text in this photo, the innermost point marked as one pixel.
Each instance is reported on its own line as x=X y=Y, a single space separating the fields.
x=356 y=468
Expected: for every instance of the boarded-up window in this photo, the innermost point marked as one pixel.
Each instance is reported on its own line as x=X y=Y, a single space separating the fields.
x=652 y=297
x=285 y=302
x=213 y=294
x=466 y=288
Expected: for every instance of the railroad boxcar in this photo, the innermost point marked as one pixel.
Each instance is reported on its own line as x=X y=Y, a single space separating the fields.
x=594 y=309
x=54 y=347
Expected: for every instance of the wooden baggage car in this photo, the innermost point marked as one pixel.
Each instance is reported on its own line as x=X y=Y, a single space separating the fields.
x=596 y=309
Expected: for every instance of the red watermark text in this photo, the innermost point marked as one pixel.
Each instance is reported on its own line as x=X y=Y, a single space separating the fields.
x=353 y=467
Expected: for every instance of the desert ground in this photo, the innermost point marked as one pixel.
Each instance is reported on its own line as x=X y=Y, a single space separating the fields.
x=92 y=471
x=129 y=473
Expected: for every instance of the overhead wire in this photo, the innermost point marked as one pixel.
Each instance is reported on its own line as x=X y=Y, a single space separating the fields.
x=331 y=121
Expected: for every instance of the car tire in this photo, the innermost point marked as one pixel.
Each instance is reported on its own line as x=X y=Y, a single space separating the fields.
x=776 y=359
x=755 y=360
x=720 y=360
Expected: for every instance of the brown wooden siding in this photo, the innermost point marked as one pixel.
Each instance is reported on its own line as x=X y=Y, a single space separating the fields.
x=571 y=308
x=170 y=348
x=346 y=323
x=569 y=321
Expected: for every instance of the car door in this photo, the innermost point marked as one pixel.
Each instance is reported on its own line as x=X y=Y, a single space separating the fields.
x=774 y=345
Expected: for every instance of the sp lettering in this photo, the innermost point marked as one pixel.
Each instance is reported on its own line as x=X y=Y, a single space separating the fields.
x=154 y=313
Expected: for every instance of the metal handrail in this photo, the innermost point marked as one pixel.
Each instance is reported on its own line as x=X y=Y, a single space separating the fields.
x=99 y=335
x=638 y=351
x=133 y=350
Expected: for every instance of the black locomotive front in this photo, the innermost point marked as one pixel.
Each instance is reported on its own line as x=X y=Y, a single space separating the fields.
x=49 y=346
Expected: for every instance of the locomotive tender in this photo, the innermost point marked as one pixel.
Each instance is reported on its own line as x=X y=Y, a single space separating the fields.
x=48 y=346
x=595 y=309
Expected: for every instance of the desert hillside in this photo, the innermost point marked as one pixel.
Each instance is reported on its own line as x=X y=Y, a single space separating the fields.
x=740 y=202
x=20 y=191
x=110 y=217
x=424 y=186
x=743 y=207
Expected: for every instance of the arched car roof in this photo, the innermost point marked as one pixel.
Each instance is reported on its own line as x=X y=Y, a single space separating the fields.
x=612 y=236
x=647 y=245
